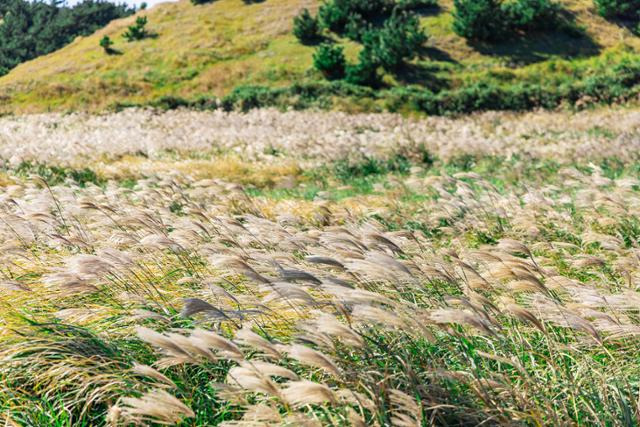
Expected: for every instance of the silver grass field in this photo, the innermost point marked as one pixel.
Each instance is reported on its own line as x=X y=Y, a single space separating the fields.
x=310 y=269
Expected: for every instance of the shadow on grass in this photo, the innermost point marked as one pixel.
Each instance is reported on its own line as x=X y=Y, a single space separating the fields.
x=114 y=52
x=633 y=25
x=564 y=38
x=423 y=75
x=435 y=54
x=529 y=49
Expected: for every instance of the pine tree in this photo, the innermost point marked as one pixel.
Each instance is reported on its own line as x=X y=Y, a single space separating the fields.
x=138 y=31
x=479 y=19
x=306 y=28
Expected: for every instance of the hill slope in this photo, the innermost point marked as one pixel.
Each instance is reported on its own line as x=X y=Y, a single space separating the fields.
x=210 y=49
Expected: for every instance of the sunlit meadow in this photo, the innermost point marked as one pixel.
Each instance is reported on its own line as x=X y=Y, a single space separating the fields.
x=300 y=269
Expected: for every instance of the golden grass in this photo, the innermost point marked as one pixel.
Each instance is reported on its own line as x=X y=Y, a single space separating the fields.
x=228 y=167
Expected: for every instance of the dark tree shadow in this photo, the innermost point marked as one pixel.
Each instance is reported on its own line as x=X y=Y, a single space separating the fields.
x=422 y=75
x=565 y=38
x=433 y=53
x=534 y=48
x=428 y=10
x=319 y=40
x=633 y=25
x=114 y=52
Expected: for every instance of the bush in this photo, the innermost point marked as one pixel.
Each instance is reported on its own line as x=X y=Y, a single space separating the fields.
x=196 y=2
x=399 y=40
x=335 y=15
x=625 y=9
x=137 y=31
x=245 y=98
x=491 y=20
x=306 y=28
x=532 y=15
x=330 y=61
x=479 y=20
x=106 y=43
x=332 y=17
x=365 y=72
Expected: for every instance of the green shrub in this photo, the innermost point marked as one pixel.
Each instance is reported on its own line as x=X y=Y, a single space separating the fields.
x=365 y=72
x=245 y=98
x=356 y=27
x=335 y=15
x=330 y=61
x=532 y=15
x=106 y=43
x=399 y=40
x=306 y=28
x=626 y=9
x=479 y=20
x=196 y=2
x=492 y=20
x=138 y=31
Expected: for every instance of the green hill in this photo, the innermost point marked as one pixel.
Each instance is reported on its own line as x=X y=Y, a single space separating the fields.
x=211 y=49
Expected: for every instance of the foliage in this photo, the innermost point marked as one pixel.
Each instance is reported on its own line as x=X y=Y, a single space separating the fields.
x=626 y=9
x=336 y=15
x=30 y=29
x=399 y=40
x=532 y=15
x=618 y=83
x=389 y=32
x=479 y=19
x=107 y=44
x=329 y=59
x=137 y=31
x=365 y=72
x=493 y=20
x=306 y=28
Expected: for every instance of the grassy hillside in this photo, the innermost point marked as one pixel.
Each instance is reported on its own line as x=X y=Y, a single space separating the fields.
x=211 y=49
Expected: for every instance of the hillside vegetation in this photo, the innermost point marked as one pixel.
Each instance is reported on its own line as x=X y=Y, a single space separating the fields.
x=31 y=29
x=213 y=48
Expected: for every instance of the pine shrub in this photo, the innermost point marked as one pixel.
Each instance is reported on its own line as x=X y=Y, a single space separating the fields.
x=479 y=19
x=138 y=31
x=532 y=15
x=330 y=61
x=365 y=72
x=306 y=28
x=106 y=43
x=399 y=40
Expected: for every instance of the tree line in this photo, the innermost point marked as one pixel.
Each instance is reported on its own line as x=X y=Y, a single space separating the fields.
x=33 y=28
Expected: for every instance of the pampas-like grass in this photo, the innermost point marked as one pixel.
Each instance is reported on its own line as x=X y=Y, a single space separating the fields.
x=478 y=289
x=156 y=406
x=308 y=356
x=301 y=393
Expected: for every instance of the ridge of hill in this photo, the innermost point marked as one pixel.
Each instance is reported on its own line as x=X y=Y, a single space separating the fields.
x=211 y=49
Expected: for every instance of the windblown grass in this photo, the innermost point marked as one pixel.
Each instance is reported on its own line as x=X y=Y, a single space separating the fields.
x=439 y=272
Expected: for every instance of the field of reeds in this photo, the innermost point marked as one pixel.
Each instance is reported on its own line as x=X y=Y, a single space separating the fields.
x=268 y=268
